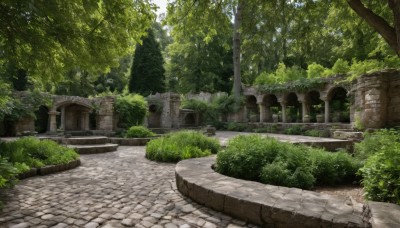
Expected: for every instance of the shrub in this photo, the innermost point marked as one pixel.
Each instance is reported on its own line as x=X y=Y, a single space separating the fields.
x=333 y=168
x=341 y=67
x=245 y=156
x=131 y=110
x=315 y=70
x=7 y=173
x=273 y=162
x=139 y=132
x=381 y=170
x=232 y=126
x=36 y=153
x=181 y=145
x=295 y=130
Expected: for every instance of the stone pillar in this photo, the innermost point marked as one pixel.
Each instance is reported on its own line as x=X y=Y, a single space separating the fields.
x=86 y=117
x=283 y=112
x=262 y=112
x=268 y=114
x=327 y=109
x=304 y=112
x=245 y=113
x=62 y=118
x=53 y=122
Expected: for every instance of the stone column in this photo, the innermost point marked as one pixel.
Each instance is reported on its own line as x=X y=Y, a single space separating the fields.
x=86 y=117
x=327 y=109
x=262 y=112
x=53 y=122
x=245 y=113
x=62 y=118
x=283 y=112
x=268 y=114
x=304 y=112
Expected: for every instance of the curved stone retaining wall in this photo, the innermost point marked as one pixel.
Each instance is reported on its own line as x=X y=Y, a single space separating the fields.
x=266 y=205
x=49 y=169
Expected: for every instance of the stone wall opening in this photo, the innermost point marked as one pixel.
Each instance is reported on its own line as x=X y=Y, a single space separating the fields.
x=293 y=111
x=252 y=112
x=339 y=105
x=154 y=117
x=314 y=105
x=42 y=119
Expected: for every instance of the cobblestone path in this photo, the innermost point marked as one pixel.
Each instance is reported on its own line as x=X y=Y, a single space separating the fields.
x=116 y=189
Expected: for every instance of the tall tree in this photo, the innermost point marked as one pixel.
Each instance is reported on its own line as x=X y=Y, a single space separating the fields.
x=48 y=40
x=388 y=29
x=147 y=74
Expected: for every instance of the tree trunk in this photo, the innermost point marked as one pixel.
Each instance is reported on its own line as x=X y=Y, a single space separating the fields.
x=237 y=82
x=379 y=24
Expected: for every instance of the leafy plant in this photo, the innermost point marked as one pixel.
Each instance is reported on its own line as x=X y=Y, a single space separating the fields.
x=36 y=153
x=233 y=126
x=294 y=130
x=139 y=132
x=272 y=162
x=131 y=110
x=181 y=145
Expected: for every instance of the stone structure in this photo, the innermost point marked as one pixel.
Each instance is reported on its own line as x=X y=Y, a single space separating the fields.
x=372 y=101
x=276 y=206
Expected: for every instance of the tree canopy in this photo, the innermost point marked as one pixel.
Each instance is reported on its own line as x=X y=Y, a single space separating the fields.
x=147 y=73
x=48 y=40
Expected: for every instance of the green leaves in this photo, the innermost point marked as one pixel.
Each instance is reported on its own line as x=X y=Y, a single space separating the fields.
x=131 y=110
x=49 y=39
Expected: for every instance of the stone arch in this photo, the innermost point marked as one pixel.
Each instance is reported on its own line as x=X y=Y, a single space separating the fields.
x=154 y=117
x=252 y=112
x=314 y=105
x=271 y=105
x=293 y=106
x=339 y=104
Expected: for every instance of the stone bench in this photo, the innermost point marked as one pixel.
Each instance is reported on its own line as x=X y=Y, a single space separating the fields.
x=268 y=205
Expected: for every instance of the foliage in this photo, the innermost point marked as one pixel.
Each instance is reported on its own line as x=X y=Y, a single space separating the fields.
x=36 y=153
x=380 y=152
x=24 y=104
x=333 y=168
x=273 y=162
x=139 y=132
x=303 y=84
x=50 y=39
x=317 y=133
x=315 y=70
x=147 y=73
x=7 y=173
x=233 y=126
x=294 y=130
x=341 y=66
x=375 y=142
x=131 y=110
x=181 y=145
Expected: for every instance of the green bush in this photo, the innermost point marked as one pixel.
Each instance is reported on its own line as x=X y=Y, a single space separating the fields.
x=317 y=133
x=295 y=130
x=272 y=162
x=36 y=153
x=333 y=168
x=8 y=173
x=232 y=126
x=181 y=145
x=139 y=132
x=380 y=152
x=131 y=110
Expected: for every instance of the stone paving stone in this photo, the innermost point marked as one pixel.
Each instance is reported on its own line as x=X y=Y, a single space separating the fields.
x=118 y=189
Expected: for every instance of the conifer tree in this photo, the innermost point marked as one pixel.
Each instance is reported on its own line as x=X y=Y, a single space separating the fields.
x=147 y=74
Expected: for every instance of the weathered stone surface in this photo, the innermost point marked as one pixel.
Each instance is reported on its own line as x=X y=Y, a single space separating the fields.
x=119 y=189
x=266 y=205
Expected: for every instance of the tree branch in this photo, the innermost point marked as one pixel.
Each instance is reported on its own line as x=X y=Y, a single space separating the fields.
x=378 y=23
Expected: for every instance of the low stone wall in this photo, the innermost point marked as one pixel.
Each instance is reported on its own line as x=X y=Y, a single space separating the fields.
x=130 y=141
x=49 y=169
x=267 y=205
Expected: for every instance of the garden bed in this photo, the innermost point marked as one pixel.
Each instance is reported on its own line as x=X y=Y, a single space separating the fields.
x=130 y=141
x=50 y=169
